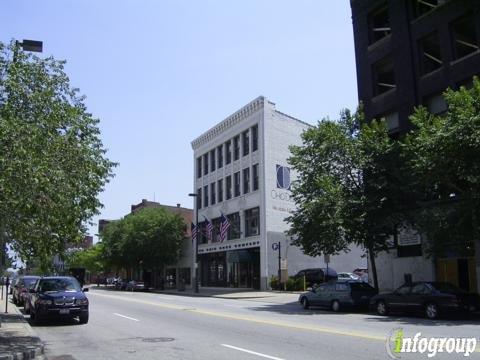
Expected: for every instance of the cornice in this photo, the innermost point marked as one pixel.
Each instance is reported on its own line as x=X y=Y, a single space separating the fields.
x=229 y=122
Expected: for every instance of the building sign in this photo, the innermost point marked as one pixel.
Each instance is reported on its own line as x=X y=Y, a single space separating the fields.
x=408 y=236
x=283 y=177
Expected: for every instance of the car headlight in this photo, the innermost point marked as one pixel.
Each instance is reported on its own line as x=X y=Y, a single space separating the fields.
x=81 y=301
x=44 y=302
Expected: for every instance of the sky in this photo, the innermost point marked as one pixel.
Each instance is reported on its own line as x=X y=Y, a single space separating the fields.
x=160 y=73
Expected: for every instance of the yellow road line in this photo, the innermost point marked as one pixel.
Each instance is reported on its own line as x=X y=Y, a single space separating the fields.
x=253 y=319
x=258 y=321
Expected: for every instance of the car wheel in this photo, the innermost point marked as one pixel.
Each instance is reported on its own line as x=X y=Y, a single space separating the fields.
x=34 y=318
x=382 y=308
x=335 y=305
x=83 y=319
x=431 y=311
x=305 y=303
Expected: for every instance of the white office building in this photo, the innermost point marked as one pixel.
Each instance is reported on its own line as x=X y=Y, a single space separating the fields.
x=241 y=171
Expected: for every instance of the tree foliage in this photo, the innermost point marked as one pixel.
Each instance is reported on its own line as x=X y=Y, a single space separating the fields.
x=149 y=238
x=443 y=154
x=52 y=161
x=91 y=259
x=347 y=191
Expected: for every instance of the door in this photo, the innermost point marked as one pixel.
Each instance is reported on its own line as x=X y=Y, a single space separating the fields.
x=399 y=300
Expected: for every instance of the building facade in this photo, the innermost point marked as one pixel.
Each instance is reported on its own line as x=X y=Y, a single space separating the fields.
x=408 y=52
x=171 y=276
x=241 y=171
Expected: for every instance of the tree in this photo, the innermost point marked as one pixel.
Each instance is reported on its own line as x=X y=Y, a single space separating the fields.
x=52 y=161
x=443 y=153
x=150 y=238
x=348 y=189
x=91 y=259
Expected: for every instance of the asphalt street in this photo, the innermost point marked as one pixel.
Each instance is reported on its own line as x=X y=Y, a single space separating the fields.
x=126 y=325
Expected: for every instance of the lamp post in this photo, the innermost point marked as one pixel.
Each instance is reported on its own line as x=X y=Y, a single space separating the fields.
x=195 y=253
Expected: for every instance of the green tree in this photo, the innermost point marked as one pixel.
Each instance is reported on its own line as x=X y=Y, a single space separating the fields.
x=443 y=154
x=91 y=259
x=52 y=161
x=348 y=189
x=150 y=238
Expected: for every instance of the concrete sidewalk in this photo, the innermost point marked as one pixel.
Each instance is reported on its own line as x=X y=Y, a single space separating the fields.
x=18 y=341
x=277 y=297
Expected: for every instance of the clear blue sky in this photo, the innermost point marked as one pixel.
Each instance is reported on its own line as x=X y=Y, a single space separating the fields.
x=159 y=73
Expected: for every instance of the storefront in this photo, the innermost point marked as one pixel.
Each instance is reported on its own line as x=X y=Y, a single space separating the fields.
x=237 y=269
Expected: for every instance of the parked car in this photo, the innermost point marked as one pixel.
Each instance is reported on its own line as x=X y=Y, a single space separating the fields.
x=339 y=295
x=135 y=286
x=13 y=282
x=316 y=276
x=347 y=276
x=428 y=298
x=58 y=297
x=20 y=289
x=120 y=284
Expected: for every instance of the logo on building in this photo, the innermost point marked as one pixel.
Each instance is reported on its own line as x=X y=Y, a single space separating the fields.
x=283 y=177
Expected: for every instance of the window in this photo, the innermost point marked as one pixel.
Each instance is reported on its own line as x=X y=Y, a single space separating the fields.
x=228 y=150
x=199 y=167
x=254 y=138
x=202 y=234
x=220 y=156
x=420 y=289
x=236 y=179
x=403 y=290
x=234 y=229
x=212 y=160
x=246 y=180
x=430 y=54
x=236 y=147
x=246 y=142
x=392 y=121
x=220 y=190
x=216 y=229
x=436 y=104
x=228 y=185
x=383 y=76
x=255 y=177
x=421 y=7
x=212 y=193
x=205 y=164
x=199 y=198
x=252 y=222
x=464 y=36
x=379 y=24
x=205 y=195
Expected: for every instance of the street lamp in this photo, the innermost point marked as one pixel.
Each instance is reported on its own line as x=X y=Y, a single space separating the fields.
x=195 y=263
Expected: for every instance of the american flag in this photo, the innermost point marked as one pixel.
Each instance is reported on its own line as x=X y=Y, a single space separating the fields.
x=193 y=228
x=209 y=229
x=224 y=225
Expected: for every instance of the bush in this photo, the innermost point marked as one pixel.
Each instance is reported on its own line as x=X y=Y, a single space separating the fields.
x=274 y=283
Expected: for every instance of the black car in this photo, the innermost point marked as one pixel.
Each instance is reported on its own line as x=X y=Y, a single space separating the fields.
x=58 y=297
x=428 y=298
x=316 y=276
x=339 y=295
x=20 y=289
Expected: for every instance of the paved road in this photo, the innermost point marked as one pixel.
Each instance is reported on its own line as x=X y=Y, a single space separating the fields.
x=156 y=326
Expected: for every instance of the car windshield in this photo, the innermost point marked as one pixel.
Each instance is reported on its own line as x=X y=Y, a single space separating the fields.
x=60 y=284
x=29 y=281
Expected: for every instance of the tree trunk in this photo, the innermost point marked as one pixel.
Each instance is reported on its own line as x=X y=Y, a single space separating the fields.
x=371 y=255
